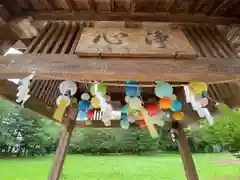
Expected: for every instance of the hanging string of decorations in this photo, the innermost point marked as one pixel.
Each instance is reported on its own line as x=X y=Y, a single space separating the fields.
x=165 y=110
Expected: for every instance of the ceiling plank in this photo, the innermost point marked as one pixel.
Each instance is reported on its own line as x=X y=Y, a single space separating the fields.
x=136 y=16
x=55 y=66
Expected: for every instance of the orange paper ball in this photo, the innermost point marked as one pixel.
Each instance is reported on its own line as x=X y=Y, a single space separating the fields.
x=178 y=116
x=165 y=103
x=140 y=116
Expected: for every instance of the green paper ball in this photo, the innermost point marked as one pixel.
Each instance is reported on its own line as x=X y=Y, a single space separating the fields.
x=101 y=88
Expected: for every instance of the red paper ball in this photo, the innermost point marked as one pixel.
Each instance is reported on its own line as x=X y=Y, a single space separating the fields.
x=142 y=124
x=90 y=114
x=152 y=109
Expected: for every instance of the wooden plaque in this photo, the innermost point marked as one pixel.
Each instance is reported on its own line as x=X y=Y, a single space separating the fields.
x=129 y=42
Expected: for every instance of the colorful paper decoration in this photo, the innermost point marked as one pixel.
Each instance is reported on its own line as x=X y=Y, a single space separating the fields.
x=107 y=98
x=196 y=105
x=83 y=105
x=203 y=102
x=129 y=110
x=95 y=102
x=165 y=103
x=135 y=103
x=204 y=94
x=142 y=124
x=163 y=89
x=82 y=116
x=124 y=109
x=152 y=109
x=124 y=124
x=127 y=98
x=178 y=116
x=62 y=101
x=66 y=86
x=23 y=90
x=90 y=114
x=67 y=89
x=148 y=120
x=173 y=97
x=85 y=96
x=198 y=87
x=131 y=118
x=176 y=106
x=132 y=91
x=100 y=88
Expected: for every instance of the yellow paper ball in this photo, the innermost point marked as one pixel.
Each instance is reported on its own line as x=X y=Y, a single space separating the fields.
x=178 y=116
x=95 y=102
x=198 y=87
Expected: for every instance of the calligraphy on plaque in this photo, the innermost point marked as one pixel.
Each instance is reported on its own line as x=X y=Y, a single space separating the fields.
x=127 y=42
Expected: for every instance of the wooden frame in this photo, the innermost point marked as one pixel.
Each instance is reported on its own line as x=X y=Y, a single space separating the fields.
x=125 y=16
x=119 y=69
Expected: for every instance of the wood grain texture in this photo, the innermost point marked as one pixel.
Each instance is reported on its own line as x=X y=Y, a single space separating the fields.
x=133 y=42
x=184 y=150
x=119 y=69
x=136 y=16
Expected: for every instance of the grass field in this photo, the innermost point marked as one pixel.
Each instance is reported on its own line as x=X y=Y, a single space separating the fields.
x=160 y=167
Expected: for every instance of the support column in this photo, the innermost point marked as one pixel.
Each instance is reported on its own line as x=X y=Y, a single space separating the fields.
x=187 y=159
x=63 y=144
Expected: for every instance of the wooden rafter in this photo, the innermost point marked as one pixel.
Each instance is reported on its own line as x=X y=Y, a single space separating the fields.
x=52 y=66
x=197 y=6
x=174 y=5
x=136 y=16
x=218 y=7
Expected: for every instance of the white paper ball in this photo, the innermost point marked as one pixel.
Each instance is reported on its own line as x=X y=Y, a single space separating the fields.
x=68 y=85
x=135 y=103
x=85 y=96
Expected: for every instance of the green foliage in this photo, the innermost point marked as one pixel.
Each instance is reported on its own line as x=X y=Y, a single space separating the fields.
x=225 y=131
x=112 y=141
x=27 y=129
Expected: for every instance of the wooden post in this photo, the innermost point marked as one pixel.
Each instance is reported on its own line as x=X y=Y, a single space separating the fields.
x=63 y=144
x=189 y=166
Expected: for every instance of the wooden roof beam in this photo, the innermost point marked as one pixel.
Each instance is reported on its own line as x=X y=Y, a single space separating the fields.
x=8 y=91
x=131 y=16
x=54 y=66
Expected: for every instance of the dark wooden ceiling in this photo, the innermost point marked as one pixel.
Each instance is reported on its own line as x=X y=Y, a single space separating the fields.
x=208 y=8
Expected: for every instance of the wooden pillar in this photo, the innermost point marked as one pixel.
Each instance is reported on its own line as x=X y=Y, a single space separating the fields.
x=63 y=144
x=187 y=159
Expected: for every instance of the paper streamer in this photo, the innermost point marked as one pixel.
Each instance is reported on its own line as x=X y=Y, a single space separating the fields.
x=148 y=121
x=202 y=112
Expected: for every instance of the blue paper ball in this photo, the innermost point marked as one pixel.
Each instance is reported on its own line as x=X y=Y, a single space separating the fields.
x=176 y=106
x=132 y=91
x=124 y=124
x=82 y=115
x=124 y=116
x=83 y=105
x=163 y=90
x=124 y=109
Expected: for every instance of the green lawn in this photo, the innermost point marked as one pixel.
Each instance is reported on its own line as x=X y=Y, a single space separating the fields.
x=160 y=167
